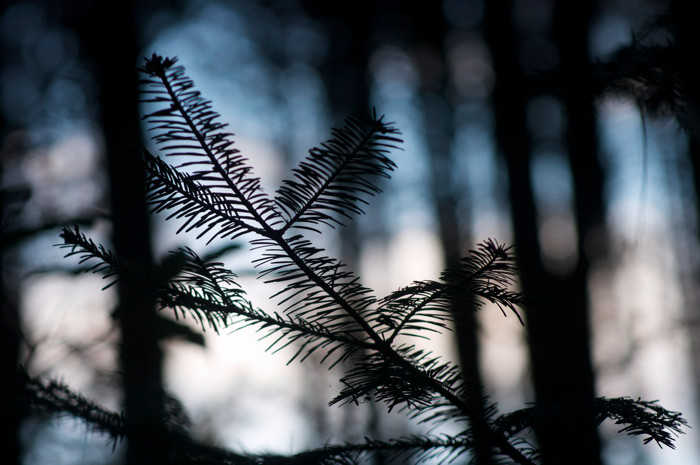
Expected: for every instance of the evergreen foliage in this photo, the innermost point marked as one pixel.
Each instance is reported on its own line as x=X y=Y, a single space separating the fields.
x=323 y=306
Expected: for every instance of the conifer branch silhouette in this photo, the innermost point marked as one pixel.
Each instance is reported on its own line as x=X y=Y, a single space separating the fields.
x=324 y=305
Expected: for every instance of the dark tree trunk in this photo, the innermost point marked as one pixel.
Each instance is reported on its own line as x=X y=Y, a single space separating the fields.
x=12 y=412
x=438 y=122
x=345 y=75
x=566 y=374
x=347 y=82
x=691 y=294
x=109 y=33
x=558 y=328
x=344 y=71
x=685 y=14
x=513 y=140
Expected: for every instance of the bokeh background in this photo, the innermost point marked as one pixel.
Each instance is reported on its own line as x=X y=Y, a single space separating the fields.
x=561 y=127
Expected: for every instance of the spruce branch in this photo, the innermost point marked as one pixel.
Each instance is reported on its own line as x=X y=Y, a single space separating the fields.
x=642 y=418
x=342 y=305
x=202 y=208
x=55 y=398
x=411 y=372
x=442 y=448
x=329 y=183
x=636 y=418
x=189 y=117
x=103 y=261
x=325 y=306
x=52 y=397
x=188 y=126
x=336 y=299
x=210 y=294
x=487 y=273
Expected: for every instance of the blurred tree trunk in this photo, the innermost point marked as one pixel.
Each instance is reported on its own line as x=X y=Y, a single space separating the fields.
x=558 y=328
x=567 y=375
x=109 y=36
x=12 y=412
x=350 y=35
x=685 y=14
x=439 y=129
x=345 y=74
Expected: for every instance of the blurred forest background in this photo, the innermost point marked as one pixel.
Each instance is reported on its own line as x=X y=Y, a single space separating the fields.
x=565 y=128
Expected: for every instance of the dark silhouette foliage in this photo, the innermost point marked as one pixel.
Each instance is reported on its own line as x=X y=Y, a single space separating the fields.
x=323 y=306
